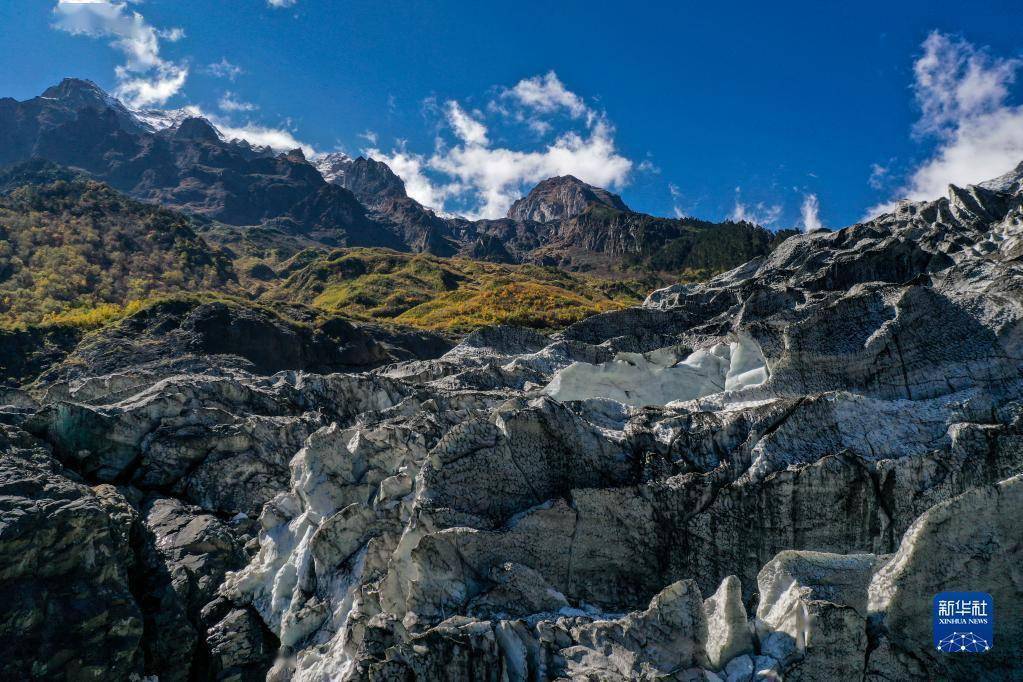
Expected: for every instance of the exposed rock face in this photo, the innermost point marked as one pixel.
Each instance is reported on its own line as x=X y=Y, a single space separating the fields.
x=981 y=527
x=369 y=180
x=184 y=162
x=185 y=334
x=68 y=611
x=562 y=197
x=728 y=632
x=187 y=166
x=383 y=192
x=765 y=476
x=184 y=558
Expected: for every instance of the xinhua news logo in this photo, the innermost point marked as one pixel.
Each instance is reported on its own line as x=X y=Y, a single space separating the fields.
x=964 y=622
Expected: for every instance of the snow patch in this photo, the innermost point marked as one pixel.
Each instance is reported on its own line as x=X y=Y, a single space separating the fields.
x=660 y=377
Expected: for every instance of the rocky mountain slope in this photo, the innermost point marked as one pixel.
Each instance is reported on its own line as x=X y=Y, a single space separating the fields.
x=183 y=162
x=67 y=240
x=447 y=294
x=187 y=166
x=383 y=192
x=562 y=197
x=76 y=253
x=765 y=476
x=562 y=222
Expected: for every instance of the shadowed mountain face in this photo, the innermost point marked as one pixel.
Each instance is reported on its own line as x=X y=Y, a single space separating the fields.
x=560 y=198
x=184 y=163
x=371 y=181
x=188 y=166
x=562 y=222
x=383 y=192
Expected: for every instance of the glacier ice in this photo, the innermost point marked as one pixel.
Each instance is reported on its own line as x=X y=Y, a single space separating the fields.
x=661 y=377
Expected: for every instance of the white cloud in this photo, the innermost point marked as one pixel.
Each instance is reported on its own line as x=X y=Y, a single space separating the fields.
x=257 y=134
x=145 y=78
x=483 y=180
x=281 y=3
x=468 y=129
x=224 y=69
x=496 y=176
x=878 y=175
x=648 y=166
x=230 y=103
x=412 y=169
x=810 y=211
x=539 y=126
x=758 y=213
x=547 y=94
x=156 y=89
x=172 y=35
x=369 y=136
x=279 y=139
x=676 y=197
x=963 y=95
x=954 y=81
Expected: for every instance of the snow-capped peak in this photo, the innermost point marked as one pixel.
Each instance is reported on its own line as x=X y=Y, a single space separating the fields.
x=162 y=119
x=333 y=166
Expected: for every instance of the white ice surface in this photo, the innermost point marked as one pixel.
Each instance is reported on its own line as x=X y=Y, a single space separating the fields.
x=660 y=377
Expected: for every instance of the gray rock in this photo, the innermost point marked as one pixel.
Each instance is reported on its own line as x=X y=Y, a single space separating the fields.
x=969 y=543
x=740 y=669
x=668 y=636
x=813 y=610
x=184 y=559
x=68 y=611
x=562 y=197
x=728 y=631
x=240 y=647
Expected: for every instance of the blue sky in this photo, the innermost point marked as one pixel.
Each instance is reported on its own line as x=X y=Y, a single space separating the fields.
x=750 y=109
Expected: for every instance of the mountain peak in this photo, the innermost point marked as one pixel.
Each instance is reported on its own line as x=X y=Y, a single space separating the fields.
x=77 y=94
x=196 y=128
x=370 y=180
x=562 y=197
x=71 y=88
x=1009 y=182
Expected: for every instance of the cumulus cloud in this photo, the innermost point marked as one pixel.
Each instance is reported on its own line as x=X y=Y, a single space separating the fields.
x=145 y=79
x=468 y=129
x=413 y=170
x=759 y=213
x=481 y=180
x=278 y=139
x=154 y=89
x=963 y=95
x=810 y=212
x=547 y=94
